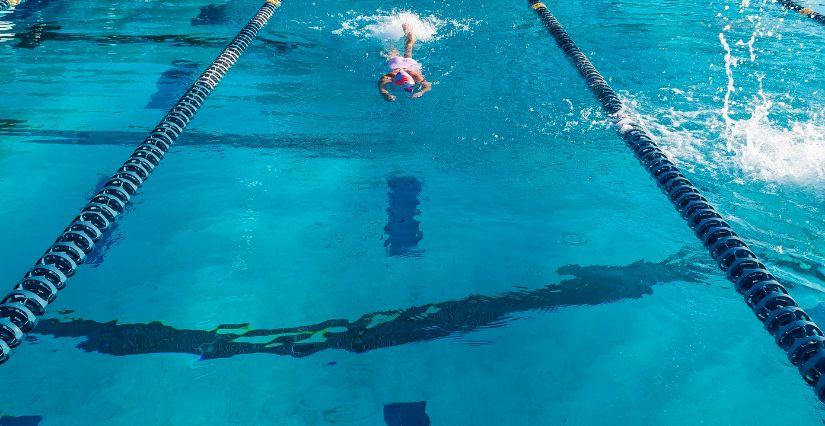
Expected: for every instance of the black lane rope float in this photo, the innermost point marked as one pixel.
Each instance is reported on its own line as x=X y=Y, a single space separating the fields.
x=792 y=328
x=8 y=4
x=21 y=309
x=805 y=11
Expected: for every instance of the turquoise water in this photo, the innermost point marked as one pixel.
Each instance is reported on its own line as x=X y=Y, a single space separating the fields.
x=304 y=256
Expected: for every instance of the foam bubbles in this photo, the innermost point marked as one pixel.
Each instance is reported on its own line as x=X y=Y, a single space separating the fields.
x=386 y=27
x=749 y=134
x=764 y=150
x=752 y=146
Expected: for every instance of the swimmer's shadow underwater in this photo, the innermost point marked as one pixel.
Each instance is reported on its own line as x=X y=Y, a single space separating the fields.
x=590 y=286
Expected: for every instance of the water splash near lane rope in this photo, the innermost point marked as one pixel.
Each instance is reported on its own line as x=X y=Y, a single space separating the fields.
x=755 y=134
x=758 y=147
x=793 y=329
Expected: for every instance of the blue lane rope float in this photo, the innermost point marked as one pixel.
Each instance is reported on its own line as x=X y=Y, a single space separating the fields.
x=21 y=309
x=802 y=10
x=792 y=328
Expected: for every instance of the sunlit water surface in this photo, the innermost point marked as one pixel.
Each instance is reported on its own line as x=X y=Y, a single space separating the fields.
x=490 y=254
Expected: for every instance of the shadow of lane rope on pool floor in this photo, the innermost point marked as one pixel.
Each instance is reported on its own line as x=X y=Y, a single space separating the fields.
x=590 y=285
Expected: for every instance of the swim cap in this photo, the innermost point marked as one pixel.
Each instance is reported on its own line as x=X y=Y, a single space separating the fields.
x=405 y=80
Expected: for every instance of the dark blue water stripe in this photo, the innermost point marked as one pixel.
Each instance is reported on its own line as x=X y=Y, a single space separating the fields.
x=406 y=414
x=403 y=231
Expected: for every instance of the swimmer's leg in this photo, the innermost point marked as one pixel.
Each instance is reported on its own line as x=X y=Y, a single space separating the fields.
x=408 y=47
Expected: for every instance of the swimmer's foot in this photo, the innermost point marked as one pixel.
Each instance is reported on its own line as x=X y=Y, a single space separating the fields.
x=406 y=27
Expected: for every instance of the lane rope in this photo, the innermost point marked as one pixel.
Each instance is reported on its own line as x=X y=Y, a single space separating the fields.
x=792 y=328
x=22 y=308
x=802 y=10
x=8 y=4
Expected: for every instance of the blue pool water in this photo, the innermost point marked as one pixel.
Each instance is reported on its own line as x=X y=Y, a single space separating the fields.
x=491 y=254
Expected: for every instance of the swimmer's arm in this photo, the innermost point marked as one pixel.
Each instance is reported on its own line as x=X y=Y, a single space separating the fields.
x=426 y=86
x=382 y=87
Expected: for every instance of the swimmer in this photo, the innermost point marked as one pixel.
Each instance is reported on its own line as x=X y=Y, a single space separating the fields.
x=404 y=72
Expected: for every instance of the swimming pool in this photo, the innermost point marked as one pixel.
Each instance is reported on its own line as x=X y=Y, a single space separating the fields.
x=492 y=250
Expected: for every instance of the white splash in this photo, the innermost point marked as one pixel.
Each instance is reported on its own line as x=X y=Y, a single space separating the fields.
x=769 y=152
x=730 y=62
x=760 y=148
x=387 y=27
x=6 y=30
x=757 y=141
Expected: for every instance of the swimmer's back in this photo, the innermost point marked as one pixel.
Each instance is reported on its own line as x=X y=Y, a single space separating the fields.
x=399 y=62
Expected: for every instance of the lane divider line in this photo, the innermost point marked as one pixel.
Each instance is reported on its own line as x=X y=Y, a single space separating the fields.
x=804 y=11
x=792 y=328
x=22 y=308
x=8 y=4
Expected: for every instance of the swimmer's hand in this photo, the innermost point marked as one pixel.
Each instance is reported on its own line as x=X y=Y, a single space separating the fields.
x=389 y=97
x=426 y=86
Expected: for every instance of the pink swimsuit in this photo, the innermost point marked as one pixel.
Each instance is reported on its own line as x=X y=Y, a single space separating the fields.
x=400 y=62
